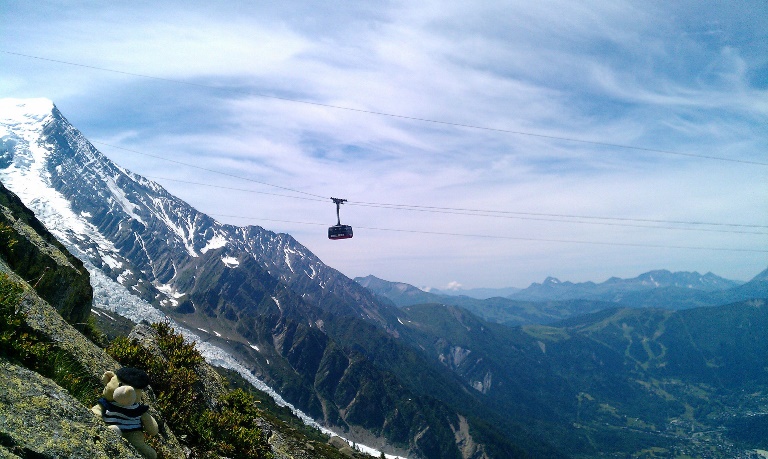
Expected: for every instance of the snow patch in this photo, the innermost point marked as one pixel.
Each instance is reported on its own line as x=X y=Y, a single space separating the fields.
x=111 y=262
x=172 y=294
x=123 y=276
x=216 y=242
x=127 y=206
x=288 y=252
x=230 y=262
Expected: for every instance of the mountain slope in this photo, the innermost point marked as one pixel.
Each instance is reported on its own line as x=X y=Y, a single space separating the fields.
x=259 y=295
x=554 y=300
x=616 y=382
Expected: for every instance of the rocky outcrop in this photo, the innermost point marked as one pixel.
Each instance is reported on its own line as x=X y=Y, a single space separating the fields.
x=44 y=320
x=40 y=419
x=33 y=253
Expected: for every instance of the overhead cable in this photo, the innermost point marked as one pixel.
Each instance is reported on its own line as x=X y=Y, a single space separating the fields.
x=447 y=210
x=516 y=238
x=500 y=214
x=211 y=170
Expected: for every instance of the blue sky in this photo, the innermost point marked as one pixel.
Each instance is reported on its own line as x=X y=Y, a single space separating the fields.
x=686 y=77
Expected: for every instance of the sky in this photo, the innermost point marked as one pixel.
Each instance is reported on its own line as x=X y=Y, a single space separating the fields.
x=479 y=144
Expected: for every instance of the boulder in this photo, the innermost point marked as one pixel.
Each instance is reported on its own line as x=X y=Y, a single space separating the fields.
x=40 y=419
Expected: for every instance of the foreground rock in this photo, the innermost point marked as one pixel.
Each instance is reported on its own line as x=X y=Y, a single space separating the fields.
x=45 y=320
x=40 y=419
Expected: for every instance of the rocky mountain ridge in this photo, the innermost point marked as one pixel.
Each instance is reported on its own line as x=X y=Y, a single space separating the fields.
x=614 y=288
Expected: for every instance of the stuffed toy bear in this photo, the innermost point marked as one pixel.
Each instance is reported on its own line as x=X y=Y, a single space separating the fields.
x=119 y=407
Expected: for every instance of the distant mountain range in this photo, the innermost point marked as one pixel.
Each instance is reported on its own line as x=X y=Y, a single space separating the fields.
x=553 y=289
x=411 y=372
x=554 y=300
x=615 y=289
x=478 y=293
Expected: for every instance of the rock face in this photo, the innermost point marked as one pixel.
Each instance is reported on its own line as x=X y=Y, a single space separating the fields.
x=33 y=253
x=40 y=419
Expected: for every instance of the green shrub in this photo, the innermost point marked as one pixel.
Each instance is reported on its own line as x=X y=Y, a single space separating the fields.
x=232 y=431
x=21 y=344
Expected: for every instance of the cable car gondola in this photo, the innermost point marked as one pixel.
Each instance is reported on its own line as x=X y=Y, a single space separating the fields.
x=339 y=231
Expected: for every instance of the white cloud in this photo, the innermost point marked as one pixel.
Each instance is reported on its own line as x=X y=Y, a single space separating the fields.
x=453 y=286
x=627 y=73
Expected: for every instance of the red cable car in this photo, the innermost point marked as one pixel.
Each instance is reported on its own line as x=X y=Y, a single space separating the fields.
x=339 y=231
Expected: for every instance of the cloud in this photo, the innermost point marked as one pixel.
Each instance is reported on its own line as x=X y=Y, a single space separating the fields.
x=453 y=286
x=675 y=77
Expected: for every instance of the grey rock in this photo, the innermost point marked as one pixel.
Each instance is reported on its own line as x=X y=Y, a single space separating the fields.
x=40 y=419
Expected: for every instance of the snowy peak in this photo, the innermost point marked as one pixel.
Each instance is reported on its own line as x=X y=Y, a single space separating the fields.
x=16 y=112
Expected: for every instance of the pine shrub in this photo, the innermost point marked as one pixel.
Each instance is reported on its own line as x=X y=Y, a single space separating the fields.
x=231 y=431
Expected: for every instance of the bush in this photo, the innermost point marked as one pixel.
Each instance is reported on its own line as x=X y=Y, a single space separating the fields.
x=21 y=344
x=231 y=431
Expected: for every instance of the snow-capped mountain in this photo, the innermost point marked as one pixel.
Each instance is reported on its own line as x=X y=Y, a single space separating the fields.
x=137 y=233
x=255 y=295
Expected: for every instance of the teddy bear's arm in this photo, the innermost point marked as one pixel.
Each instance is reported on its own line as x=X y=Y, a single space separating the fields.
x=98 y=410
x=107 y=376
x=149 y=423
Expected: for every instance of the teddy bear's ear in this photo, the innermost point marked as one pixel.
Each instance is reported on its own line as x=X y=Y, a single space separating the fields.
x=107 y=376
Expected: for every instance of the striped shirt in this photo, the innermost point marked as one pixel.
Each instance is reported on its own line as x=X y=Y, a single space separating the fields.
x=126 y=418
